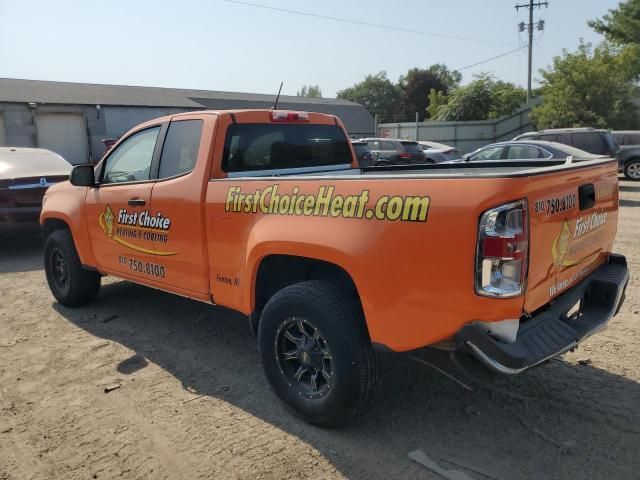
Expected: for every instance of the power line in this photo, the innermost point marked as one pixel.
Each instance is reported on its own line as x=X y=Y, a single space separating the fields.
x=492 y=58
x=365 y=24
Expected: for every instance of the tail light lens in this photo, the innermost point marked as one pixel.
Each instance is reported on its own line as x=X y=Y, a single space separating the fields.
x=503 y=250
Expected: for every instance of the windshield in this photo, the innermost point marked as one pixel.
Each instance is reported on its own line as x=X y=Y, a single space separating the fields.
x=266 y=146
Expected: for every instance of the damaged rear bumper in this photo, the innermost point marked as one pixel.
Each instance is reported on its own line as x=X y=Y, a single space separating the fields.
x=551 y=333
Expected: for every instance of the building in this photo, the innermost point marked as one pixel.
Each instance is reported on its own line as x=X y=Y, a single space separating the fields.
x=72 y=119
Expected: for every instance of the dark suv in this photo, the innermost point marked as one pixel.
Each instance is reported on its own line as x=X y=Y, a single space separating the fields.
x=390 y=151
x=629 y=141
x=596 y=141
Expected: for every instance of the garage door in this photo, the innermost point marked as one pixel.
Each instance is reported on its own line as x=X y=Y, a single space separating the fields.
x=65 y=134
x=3 y=132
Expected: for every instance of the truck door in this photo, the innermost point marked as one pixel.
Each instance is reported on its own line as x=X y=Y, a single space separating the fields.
x=117 y=208
x=178 y=197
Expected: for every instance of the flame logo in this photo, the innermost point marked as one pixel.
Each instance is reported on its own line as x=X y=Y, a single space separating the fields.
x=107 y=221
x=562 y=244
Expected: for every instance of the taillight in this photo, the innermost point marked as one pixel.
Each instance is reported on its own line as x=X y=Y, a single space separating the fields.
x=503 y=247
x=283 y=116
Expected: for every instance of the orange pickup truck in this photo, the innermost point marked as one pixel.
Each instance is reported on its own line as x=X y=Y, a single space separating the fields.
x=267 y=212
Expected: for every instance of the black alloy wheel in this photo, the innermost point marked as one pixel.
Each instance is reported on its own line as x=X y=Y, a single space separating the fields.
x=304 y=357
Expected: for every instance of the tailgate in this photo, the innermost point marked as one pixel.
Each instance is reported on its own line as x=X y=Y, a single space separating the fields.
x=573 y=219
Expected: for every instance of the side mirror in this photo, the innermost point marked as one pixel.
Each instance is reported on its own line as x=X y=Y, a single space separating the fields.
x=82 y=176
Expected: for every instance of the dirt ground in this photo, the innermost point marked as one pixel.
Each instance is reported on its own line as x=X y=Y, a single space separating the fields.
x=193 y=402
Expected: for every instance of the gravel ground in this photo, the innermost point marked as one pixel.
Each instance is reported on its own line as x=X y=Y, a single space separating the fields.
x=193 y=403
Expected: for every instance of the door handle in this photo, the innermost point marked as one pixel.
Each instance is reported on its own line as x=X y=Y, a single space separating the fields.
x=136 y=202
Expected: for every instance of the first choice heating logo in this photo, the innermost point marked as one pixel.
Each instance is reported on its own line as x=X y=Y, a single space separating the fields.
x=565 y=243
x=143 y=225
x=325 y=202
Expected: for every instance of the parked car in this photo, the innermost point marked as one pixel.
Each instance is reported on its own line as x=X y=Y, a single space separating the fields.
x=328 y=267
x=629 y=141
x=363 y=153
x=592 y=140
x=439 y=152
x=25 y=174
x=527 y=150
x=390 y=151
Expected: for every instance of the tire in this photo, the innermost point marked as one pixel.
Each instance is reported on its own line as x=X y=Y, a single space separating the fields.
x=342 y=348
x=70 y=284
x=632 y=169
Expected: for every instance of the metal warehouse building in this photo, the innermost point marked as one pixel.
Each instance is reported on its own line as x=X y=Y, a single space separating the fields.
x=72 y=118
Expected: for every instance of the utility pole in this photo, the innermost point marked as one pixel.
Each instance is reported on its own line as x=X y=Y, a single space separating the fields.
x=531 y=5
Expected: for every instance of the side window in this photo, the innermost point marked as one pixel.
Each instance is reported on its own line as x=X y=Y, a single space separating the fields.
x=180 y=150
x=590 y=142
x=491 y=153
x=550 y=138
x=131 y=161
x=525 y=152
x=543 y=153
x=387 y=146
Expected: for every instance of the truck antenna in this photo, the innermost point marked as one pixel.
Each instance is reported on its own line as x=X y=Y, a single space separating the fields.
x=275 y=105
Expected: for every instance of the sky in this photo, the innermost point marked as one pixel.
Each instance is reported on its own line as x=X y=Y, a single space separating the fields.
x=232 y=46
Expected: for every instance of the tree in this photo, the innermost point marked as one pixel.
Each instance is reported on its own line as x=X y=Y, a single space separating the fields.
x=481 y=99
x=377 y=94
x=417 y=83
x=437 y=98
x=620 y=25
x=451 y=78
x=312 y=91
x=587 y=88
x=506 y=98
x=414 y=88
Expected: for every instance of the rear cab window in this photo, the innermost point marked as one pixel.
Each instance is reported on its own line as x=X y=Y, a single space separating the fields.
x=262 y=146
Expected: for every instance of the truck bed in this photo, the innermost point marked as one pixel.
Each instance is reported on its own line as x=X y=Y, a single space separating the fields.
x=489 y=169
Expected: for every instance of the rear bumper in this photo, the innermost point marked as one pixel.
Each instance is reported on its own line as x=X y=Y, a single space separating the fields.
x=550 y=333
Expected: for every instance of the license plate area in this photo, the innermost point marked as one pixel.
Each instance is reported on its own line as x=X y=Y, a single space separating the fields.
x=574 y=312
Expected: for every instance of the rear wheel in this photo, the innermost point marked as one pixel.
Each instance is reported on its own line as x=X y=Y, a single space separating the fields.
x=316 y=353
x=632 y=169
x=70 y=284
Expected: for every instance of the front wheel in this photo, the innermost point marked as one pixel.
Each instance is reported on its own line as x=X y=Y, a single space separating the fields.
x=632 y=169
x=316 y=353
x=69 y=282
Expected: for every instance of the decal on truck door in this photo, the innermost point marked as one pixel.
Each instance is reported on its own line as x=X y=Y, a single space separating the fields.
x=126 y=228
